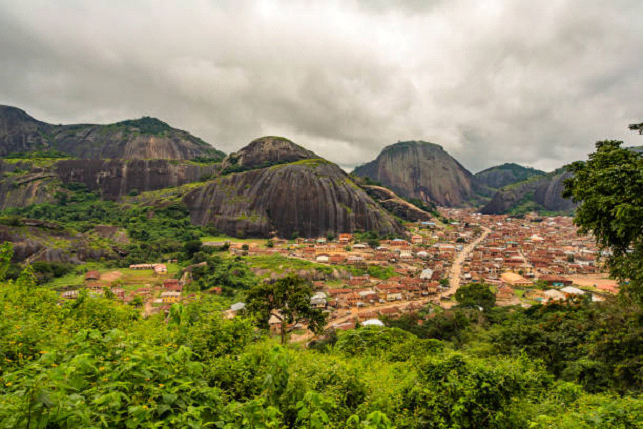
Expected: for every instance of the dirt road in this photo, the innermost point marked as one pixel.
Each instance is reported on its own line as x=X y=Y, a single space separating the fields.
x=456 y=268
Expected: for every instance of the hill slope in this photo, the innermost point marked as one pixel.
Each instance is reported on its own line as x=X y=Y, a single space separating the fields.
x=309 y=197
x=422 y=170
x=145 y=138
x=506 y=174
x=539 y=193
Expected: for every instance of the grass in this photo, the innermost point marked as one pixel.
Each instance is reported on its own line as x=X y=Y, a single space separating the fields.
x=129 y=280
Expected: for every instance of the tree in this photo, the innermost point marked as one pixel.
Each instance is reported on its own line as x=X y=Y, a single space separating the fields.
x=6 y=254
x=191 y=247
x=27 y=278
x=288 y=300
x=475 y=295
x=609 y=191
x=637 y=127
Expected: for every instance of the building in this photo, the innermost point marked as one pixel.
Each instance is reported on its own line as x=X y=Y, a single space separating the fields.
x=514 y=279
x=92 y=275
x=170 y=297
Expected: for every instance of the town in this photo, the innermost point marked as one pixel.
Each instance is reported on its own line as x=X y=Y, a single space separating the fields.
x=526 y=260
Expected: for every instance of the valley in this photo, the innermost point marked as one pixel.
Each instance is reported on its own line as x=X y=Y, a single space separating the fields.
x=148 y=277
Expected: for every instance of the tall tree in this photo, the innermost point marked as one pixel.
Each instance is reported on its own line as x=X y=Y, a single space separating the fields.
x=609 y=190
x=288 y=300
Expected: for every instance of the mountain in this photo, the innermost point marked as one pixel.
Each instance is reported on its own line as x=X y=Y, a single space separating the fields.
x=506 y=174
x=264 y=152
x=288 y=191
x=538 y=193
x=421 y=170
x=34 y=181
x=145 y=138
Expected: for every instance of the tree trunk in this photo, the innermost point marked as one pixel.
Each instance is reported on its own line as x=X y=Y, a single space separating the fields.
x=283 y=333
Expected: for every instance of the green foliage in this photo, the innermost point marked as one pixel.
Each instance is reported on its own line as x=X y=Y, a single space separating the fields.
x=609 y=190
x=37 y=154
x=475 y=295
x=154 y=232
x=288 y=300
x=6 y=254
x=96 y=363
x=46 y=271
x=232 y=275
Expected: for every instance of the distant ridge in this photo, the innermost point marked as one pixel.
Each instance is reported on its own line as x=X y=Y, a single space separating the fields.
x=144 y=138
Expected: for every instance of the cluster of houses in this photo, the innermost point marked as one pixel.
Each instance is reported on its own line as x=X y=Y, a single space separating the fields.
x=529 y=252
x=164 y=293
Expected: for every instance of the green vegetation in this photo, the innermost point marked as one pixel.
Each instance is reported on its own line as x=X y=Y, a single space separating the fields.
x=37 y=154
x=154 y=232
x=609 y=188
x=287 y=300
x=96 y=363
x=475 y=295
x=147 y=125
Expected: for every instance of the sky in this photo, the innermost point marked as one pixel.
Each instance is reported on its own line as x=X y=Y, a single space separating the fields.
x=494 y=81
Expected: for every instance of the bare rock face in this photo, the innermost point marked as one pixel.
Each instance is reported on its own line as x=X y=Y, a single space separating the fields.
x=421 y=170
x=537 y=193
x=145 y=138
x=22 y=184
x=37 y=240
x=265 y=152
x=20 y=132
x=118 y=178
x=308 y=198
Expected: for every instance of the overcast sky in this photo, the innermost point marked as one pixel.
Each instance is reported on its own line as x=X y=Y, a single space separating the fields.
x=533 y=82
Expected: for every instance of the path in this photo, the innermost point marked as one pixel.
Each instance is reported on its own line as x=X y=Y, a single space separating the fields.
x=456 y=268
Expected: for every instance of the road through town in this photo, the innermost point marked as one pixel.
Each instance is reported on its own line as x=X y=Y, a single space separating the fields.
x=456 y=268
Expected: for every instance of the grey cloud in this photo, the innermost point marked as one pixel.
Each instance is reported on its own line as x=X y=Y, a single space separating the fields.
x=502 y=81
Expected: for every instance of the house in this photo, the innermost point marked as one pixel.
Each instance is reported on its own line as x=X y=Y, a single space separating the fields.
x=426 y=274
x=571 y=290
x=92 y=275
x=160 y=269
x=514 y=279
x=141 y=267
x=170 y=297
x=119 y=292
x=69 y=294
x=504 y=293
x=170 y=283
x=323 y=259
x=318 y=300
x=556 y=281
x=372 y=322
x=554 y=295
x=345 y=238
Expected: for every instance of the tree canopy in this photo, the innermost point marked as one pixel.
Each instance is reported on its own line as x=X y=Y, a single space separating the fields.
x=288 y=300
x=609 y=191
x=475 y=295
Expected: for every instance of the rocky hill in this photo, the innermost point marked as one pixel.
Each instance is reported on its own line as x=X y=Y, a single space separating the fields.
x=309 y=197
x=265 y=152
x=539 y=193
x=505 y=174
x=421 y=170
x=396 y=205
x=25 y=182
x=145 y=138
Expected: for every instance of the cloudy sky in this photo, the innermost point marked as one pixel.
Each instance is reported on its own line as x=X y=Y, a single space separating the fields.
x=533 y=82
